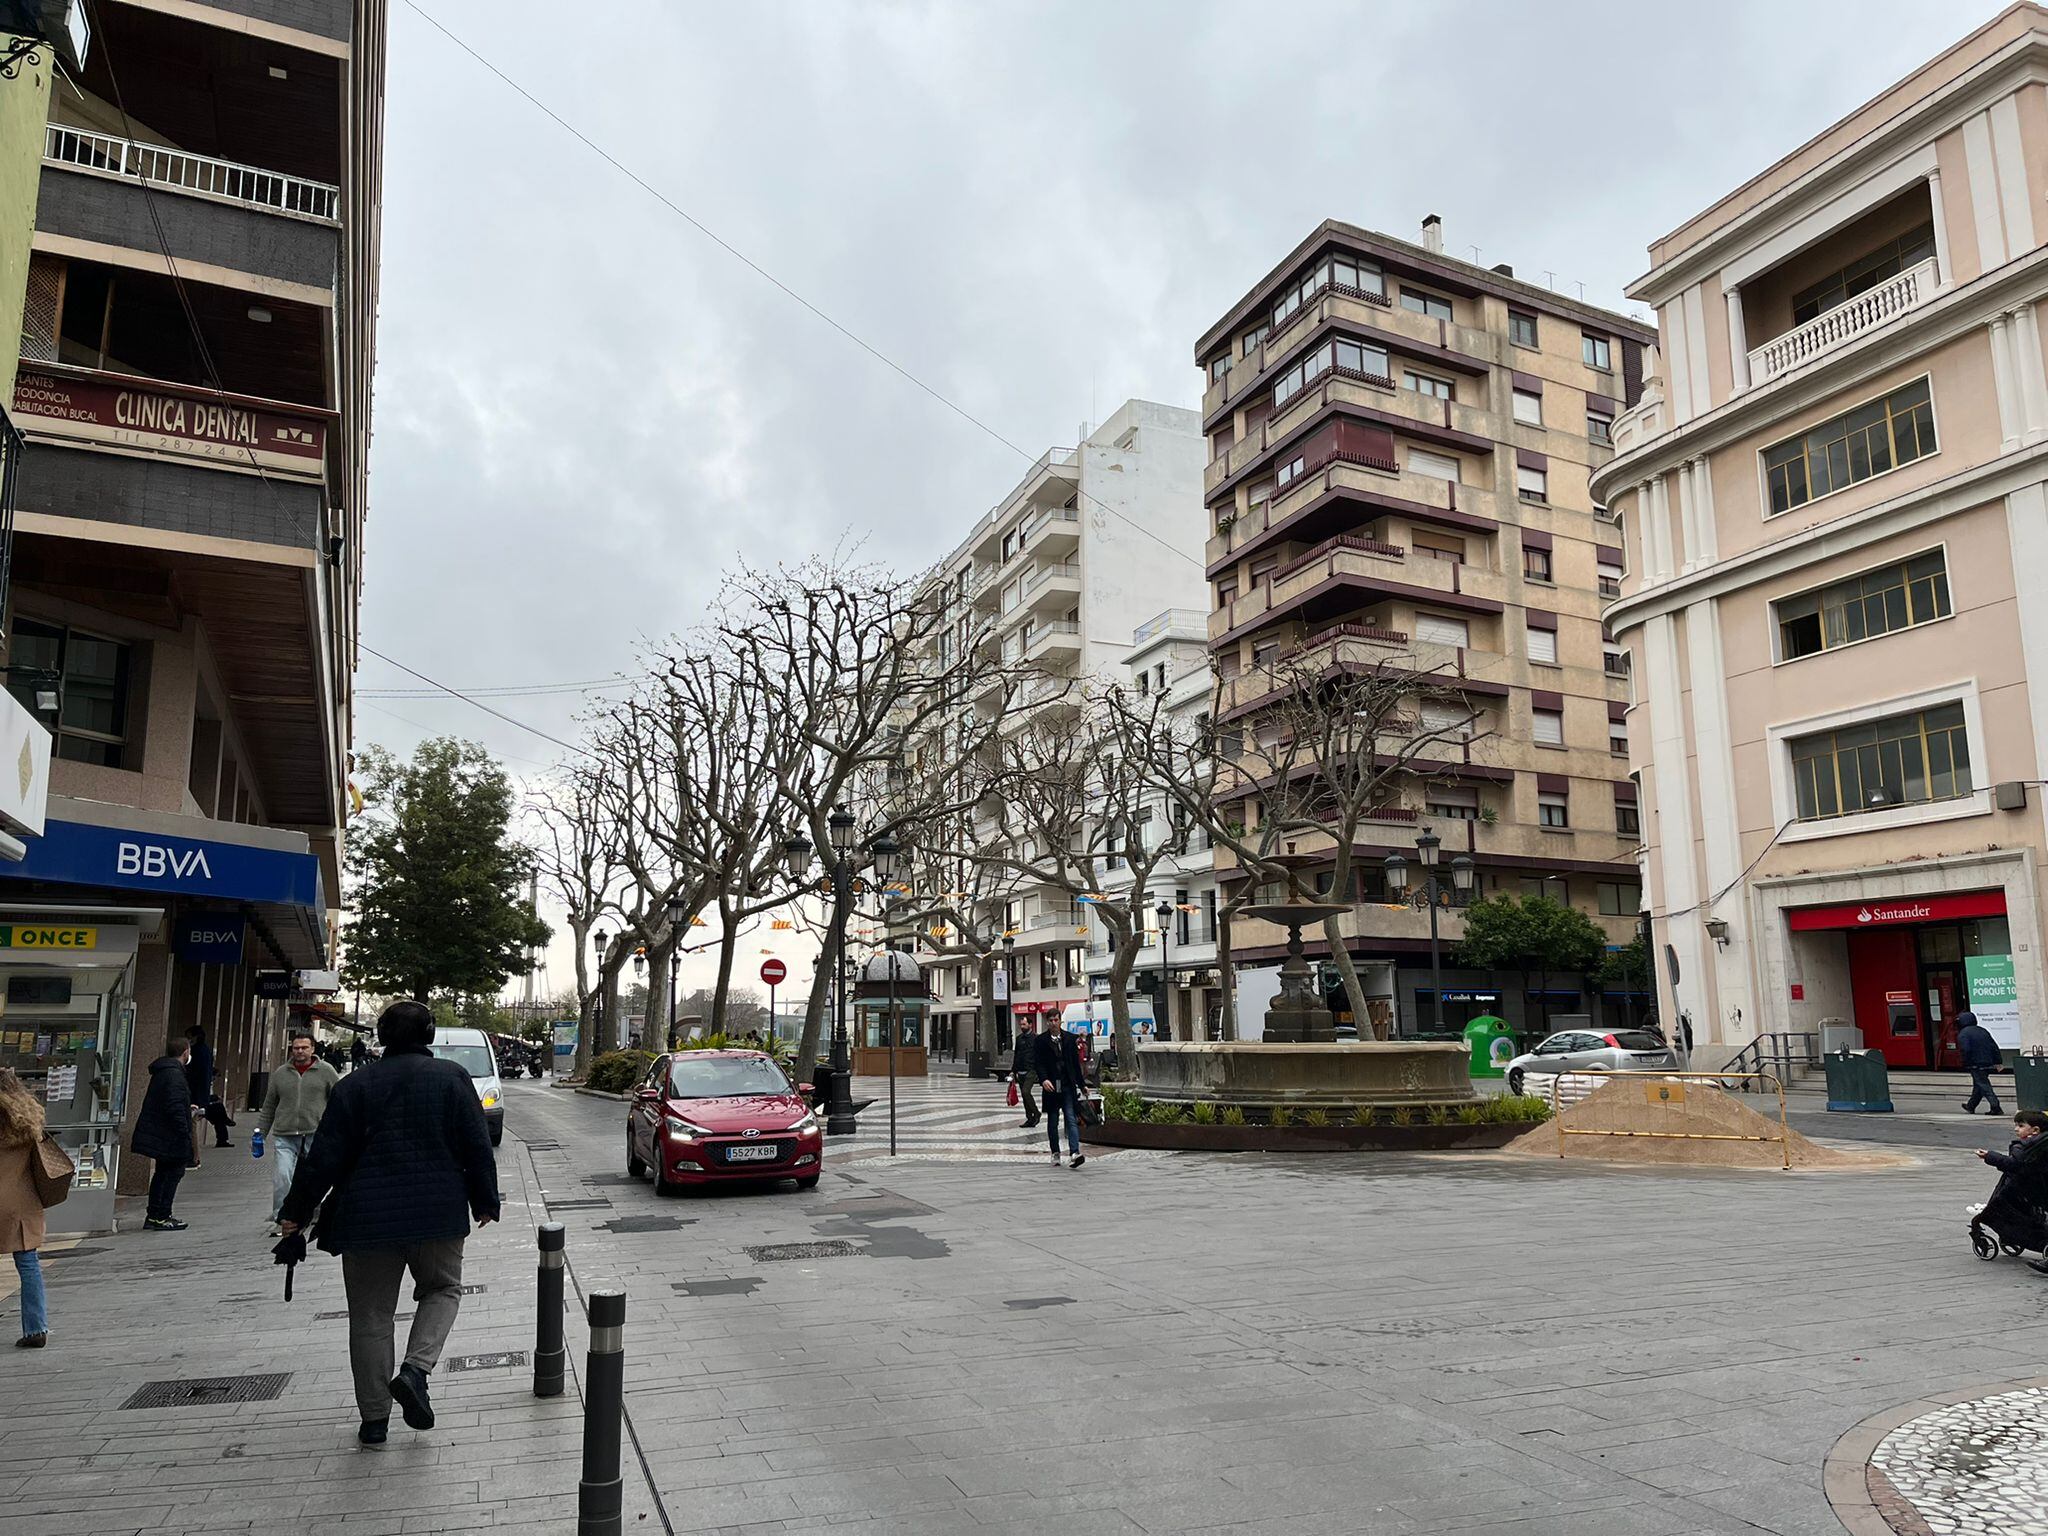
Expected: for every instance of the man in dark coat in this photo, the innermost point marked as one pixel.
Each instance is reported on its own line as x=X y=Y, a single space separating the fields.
x=200 y=1074
x=1980 y=1054
x=405 y=1149
x=163 y=1132
x=1056 y=1059
x=1023 y=1070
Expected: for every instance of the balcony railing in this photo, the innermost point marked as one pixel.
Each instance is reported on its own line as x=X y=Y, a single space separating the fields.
x=1066 y=569
x=201 y=175
x=1191 y=619
x=1871 y=308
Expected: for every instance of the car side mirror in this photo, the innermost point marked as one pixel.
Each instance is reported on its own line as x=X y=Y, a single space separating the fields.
x=647 y=1095
x=808 y=1090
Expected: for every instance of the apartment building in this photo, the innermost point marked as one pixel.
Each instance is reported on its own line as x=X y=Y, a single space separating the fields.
x=1174 y=983
x=194 y=388
x=1088 y=545
x=1832 y=498
x=1400 y=453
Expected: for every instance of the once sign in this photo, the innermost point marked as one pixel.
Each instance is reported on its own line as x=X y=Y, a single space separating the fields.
x=39 y=936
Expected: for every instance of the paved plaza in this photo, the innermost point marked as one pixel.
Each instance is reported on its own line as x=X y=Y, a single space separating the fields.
x=1153 y=1343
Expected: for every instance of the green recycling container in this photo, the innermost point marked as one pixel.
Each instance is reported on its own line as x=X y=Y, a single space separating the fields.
x=1858 y=1082
x=2030 y=1080
x=1492 y=1044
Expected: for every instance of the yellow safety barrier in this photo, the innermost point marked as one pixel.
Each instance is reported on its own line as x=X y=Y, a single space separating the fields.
x=1675 y=1094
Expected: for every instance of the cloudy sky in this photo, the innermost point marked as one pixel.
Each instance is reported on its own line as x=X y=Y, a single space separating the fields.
x=585 y=408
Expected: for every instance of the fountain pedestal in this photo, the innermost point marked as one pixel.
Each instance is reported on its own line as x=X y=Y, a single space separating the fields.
x=1297 y=1016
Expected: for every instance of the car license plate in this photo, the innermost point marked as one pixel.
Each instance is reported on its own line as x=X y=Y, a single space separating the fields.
x=766 y=1153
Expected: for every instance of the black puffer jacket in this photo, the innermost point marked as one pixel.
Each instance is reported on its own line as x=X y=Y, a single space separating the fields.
x=163 y=1126
x=405 y=1141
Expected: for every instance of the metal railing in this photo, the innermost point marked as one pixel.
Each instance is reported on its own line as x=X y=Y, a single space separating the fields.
x=1195 y=619
x=1046 y=573
x=1671 y=1094
x=1870 y=308
x=1784 y=1054
x=201 y=175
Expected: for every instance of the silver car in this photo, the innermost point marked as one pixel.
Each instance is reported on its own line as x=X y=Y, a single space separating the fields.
x=1585 y=1050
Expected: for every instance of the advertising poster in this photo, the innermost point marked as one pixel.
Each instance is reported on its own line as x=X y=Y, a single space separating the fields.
x=1994 y=997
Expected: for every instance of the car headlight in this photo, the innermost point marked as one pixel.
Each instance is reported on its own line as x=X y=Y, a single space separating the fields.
x=806 y=1123
x=682 y=1129
x=490 y=1101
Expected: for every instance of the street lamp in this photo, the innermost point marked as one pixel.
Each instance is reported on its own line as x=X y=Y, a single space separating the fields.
x=598 y=941
x=1428 y=848
x=883 y=850
x=1006 y=1022
x=678 y=914
x=1163 y=1025
x=840 y=830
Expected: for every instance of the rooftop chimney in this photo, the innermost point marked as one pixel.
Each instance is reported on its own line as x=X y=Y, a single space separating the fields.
x=1505 y=270
x=1433 y=234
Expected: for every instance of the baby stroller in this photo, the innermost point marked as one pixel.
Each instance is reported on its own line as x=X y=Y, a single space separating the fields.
x=2008 y=1223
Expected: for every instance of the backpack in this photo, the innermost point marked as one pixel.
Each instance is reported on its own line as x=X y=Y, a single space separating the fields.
x=49 y=1166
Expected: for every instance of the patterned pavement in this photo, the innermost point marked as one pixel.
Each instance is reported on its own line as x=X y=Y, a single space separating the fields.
x=945 y=1118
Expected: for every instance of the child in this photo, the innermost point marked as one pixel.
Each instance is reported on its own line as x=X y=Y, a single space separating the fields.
x=2015 y=1207
x=2027 y=1125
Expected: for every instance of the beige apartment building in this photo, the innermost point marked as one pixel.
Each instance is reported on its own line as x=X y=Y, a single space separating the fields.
x=1833 y=502
x=1400 y=453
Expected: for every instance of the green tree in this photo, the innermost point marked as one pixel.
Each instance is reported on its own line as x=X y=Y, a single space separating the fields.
x=1627 y=970
x=1534 y=937
x=438 y=886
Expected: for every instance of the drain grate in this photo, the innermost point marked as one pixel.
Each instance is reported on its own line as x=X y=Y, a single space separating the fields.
x=497 y=1362
x=579 y=1205
x=1033 y=1303
x=829 y=1250
x=542 y=1146
x=596 y=1179
x=204 y=1391
x=742 y=1287
x=646 y=1224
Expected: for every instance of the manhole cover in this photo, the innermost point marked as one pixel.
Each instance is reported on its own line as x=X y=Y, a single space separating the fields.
x=645 y=1224
x=579 y=1205
x=774 y=1251
x=744 y=1287
x=486 y=1362
x=1033 y=1303
x=199 y=1391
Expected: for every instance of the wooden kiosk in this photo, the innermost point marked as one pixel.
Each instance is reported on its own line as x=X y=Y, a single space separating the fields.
x=889 y=1001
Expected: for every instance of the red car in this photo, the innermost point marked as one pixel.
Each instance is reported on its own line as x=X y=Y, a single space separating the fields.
x=716 y=1117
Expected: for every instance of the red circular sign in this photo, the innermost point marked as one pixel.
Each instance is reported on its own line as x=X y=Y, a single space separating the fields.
x=772 y=971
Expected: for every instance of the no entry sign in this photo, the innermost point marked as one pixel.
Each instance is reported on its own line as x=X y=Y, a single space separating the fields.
x=772 y=972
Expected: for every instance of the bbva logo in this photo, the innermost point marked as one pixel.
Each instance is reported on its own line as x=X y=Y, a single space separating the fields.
x=153 y=861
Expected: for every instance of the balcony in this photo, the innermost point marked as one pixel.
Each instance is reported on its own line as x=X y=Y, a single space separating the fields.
x=1364 y=648
x=174 y=170
x=1356 y=564
x=1187 y=621
x=1340 y=495
x=1844 y=323
x=1050 y=583
x=1051 y=638
x=1364 y=314
x=1055 y=529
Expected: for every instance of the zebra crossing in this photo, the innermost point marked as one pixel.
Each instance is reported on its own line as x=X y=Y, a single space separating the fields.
x=942 y=1118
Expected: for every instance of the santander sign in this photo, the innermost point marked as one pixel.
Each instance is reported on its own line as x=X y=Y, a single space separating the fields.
x=1904 y=912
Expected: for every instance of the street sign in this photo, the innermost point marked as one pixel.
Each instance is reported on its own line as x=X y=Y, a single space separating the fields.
x=773 y=971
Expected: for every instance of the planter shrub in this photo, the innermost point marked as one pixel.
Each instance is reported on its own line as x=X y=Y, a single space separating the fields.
x=616 y=1071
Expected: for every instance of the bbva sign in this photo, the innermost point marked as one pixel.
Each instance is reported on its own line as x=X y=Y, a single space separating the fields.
x=154 y=861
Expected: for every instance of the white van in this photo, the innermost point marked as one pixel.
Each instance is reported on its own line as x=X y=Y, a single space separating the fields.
x=1093 y=1019
x=471 y=1050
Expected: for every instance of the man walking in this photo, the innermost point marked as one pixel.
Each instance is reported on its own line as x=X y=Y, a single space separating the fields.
x=165 y=1130
x=1056 y=1062
x=358 y=1053
x=405 y=1149
x=199 y=1076
x=291 y=1114
x=1980 y=1054
x=1024 y=1070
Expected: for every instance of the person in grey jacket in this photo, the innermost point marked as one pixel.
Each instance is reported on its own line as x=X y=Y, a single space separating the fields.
x=291 y=1113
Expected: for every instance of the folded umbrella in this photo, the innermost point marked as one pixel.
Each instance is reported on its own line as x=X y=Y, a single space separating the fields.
x=290 y=1252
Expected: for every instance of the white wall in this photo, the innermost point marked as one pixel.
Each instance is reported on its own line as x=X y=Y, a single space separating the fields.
x=1127 y=576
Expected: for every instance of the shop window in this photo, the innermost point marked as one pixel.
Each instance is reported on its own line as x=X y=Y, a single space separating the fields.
x=92 y=674
x=1892 y=597
x=1878 y=436
x=1908 y=759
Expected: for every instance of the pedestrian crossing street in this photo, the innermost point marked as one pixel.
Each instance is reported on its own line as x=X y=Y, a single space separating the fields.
x=946 y=1117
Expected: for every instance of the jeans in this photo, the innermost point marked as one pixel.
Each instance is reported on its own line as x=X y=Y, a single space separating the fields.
x=287 y=1150
x=1980 y=1088
x=1056 y=1101
x=371 y=1278
x=163 y=1186
x=35 y=1308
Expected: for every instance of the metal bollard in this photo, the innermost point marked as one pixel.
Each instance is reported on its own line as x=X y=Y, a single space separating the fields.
x=600 y=1497
x=550 y=1357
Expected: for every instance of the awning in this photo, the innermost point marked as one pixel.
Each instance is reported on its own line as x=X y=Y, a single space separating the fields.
x=269 y=874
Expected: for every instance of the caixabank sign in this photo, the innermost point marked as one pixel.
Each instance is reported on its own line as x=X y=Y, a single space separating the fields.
x=124 y=858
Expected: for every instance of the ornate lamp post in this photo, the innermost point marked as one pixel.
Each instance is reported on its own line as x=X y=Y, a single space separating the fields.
x=1428 y=846
x=598 y=941
x=678 y=914
x=1163 y=1025
x=796 y=854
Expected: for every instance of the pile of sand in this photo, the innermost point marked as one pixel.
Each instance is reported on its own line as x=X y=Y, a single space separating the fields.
x=1637 y=1104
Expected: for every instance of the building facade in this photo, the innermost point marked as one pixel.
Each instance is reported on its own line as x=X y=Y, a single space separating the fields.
x=1086 y=547
x=194 y=387
x=1400 y=450
x=1831 y=500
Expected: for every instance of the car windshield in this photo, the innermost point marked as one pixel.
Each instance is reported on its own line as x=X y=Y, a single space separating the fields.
x=723 y=1077
x=1637 y=1040
x=476 y=1060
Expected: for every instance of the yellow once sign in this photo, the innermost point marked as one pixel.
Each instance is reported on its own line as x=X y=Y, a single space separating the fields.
x=35 y=936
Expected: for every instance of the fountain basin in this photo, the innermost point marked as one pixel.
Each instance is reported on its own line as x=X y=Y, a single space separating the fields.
x=1342 y=1074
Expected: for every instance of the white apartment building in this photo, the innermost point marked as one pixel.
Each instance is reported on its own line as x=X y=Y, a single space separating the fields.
x=1169 y=656
x=1088 y=545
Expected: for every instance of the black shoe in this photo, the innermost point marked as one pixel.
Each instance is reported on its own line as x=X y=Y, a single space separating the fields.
x=1079 y=1159
x=32 y=1341
x=164 y=1224
x=373 y=1431
x=409 y=1390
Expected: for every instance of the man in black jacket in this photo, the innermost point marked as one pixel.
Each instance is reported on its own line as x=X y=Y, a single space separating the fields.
x=163 y=1132
x=405 y=1149
x=1056 y=1061
x=1980 y=1054
x=1023 y=1070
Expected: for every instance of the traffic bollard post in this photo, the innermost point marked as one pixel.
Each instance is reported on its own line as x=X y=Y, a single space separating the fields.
x=550 y=1357
x=600 y=1497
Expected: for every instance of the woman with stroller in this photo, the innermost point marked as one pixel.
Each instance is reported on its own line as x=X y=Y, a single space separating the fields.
x=2015 y=1209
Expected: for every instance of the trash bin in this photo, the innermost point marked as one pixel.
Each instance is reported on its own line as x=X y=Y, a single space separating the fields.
x=1839 y=1035
x=2030 y=1080
x=1858 y=1082
x=1492 y=1045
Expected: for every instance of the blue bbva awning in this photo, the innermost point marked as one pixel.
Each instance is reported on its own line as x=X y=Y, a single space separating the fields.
x=271 y=873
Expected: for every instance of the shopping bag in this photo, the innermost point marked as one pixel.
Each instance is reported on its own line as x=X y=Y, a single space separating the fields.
x=51 y=1170
x=1012 y=1096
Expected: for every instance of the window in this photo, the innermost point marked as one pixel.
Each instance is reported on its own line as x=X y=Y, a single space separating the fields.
x=1617 y=737
x=1219 y=365
x=1595 y=352
x=1436 y=546
x=1864 y=606
x=1535 y=562
x=1048 y=967
x=1532 y=484
x=1543 y=646
x=1342 y=272
x=1521 y=328
x=1252 y=338
x=1438 y=466
x=1290 y=472
x=1553 y=809
x=1529 y=407
x=1423 y=303
x=1435 y=629
x=1628 y=821
x=1618 y=898
x=1453 y=804
x=1610 y=574
x=1546 y=727
x=1873 y=438
x=1904 y=760
x=1259 y=495
x=1077 y=966
x=1887 y=261
x=1352 y=358
x=92 y=689
x=1599 y=427
x=1426 y=384
x=1446 y=718
x=1144 y=681
x=1616 y=662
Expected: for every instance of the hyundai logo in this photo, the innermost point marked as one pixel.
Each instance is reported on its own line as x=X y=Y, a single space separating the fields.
x=750 y=1132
